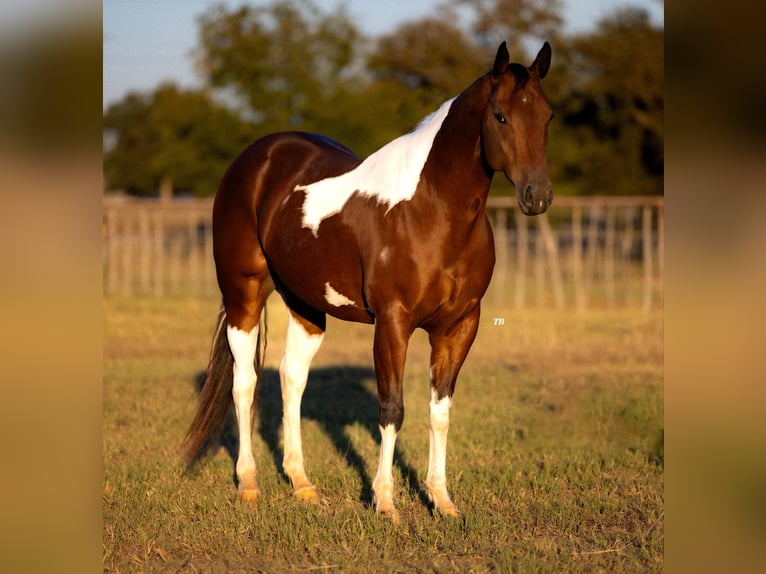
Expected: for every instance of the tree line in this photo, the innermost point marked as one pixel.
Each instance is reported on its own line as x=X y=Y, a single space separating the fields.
x=291 y=65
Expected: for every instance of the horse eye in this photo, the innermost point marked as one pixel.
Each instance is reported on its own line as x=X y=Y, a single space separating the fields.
x=500 y=117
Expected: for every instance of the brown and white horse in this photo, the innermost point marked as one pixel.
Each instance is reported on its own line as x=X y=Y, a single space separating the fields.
x=400 y=240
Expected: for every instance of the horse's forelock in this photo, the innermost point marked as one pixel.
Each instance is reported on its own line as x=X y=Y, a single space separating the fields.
x=520 y=73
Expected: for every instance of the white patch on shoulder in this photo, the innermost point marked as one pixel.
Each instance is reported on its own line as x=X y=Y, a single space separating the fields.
x=336 y=299
x=391 y=174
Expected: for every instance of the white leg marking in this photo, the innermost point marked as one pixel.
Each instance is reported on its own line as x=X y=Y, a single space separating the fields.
x=390 y=175
x=383 y=484
x=300 y=349
x=336 y=299
x=243 y=346
x=436 y=479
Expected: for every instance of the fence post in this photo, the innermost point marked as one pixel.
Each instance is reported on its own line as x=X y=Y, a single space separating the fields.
x=552 y=251
x=111 y=242
x=159 y=254
x=127 y=254
x=648 y=257
x=145 y=242
x=577 y=269
x=522 y=248
x=609 y=263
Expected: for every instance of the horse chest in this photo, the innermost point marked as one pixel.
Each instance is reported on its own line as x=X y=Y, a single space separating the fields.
x=435 y=279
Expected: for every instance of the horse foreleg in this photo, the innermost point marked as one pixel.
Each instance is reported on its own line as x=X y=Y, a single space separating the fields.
x=448 y=351
x=383 y=483
x=243 y=348
x=436 y=479
x=390 y=350
x=303 y=341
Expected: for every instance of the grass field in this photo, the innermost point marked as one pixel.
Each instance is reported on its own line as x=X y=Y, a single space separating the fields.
x=555 y=451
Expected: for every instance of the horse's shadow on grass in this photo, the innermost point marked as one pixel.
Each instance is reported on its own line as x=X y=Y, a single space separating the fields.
x=336 y=398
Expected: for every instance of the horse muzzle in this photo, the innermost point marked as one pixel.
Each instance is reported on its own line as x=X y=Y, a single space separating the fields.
x=535 y=198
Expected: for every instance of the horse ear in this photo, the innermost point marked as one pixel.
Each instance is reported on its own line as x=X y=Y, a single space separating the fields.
x=542 y=61
x=501 y=60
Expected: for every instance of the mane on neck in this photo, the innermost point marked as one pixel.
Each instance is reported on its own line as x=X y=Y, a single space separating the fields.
x=390 y=175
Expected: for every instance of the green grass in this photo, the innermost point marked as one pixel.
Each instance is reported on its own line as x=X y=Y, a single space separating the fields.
x=555 y=454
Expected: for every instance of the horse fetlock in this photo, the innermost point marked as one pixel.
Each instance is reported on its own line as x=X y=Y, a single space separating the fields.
x=294 y=469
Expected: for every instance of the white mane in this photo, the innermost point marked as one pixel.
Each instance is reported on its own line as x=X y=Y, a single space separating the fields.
x=391 y=174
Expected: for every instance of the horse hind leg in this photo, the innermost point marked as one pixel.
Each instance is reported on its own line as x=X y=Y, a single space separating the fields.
x=304 y=337
x=243 y=344
x=244 y=300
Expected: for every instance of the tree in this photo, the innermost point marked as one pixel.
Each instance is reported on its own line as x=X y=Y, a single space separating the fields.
x=608 y=135
x=420 y=65
x=288 y=65
x=285 y=63
x=517 y=22
x=170 y=137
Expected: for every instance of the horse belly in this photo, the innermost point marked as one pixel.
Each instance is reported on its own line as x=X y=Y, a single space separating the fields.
x=323 y=271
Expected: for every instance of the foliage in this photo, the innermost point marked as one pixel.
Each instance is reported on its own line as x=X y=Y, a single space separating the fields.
x=420 y=65
x=289 y=65
x=182 y=135
x=553 y=457
x=286 y=62
x=610 y=109
x=515 y=22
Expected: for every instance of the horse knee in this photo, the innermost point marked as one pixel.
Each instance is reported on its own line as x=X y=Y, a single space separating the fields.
x=391 y=413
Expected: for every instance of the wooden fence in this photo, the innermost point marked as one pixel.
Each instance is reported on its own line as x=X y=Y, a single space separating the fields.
x=585 y=252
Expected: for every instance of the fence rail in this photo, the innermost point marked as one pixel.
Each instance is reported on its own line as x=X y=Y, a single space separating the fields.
x=584 y=252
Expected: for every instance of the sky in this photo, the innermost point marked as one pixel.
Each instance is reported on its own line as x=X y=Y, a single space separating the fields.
x=147 y=42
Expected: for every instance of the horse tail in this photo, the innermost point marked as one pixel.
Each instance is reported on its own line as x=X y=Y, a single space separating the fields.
x=215 y=398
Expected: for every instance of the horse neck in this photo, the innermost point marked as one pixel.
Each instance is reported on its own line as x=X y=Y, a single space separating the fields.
x=456 y=170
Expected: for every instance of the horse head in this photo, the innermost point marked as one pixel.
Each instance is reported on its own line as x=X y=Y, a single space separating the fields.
x=515 y=128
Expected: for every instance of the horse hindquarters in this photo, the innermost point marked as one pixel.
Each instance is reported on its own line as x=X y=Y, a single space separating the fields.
x=245 y=284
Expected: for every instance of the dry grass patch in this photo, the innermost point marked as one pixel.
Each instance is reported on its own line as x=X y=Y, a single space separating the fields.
x=555 y=451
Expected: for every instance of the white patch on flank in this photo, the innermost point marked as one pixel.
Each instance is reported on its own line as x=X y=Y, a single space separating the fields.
x=336 y=299
x=385 y=253
x=391 y=174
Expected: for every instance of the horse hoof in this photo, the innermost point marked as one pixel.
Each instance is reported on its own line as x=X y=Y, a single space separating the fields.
x=248 y=497
x=451 y=510
x=392 y=515
x=307 y=494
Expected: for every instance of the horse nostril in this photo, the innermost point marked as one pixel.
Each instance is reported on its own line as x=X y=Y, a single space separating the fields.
x=528 y=195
